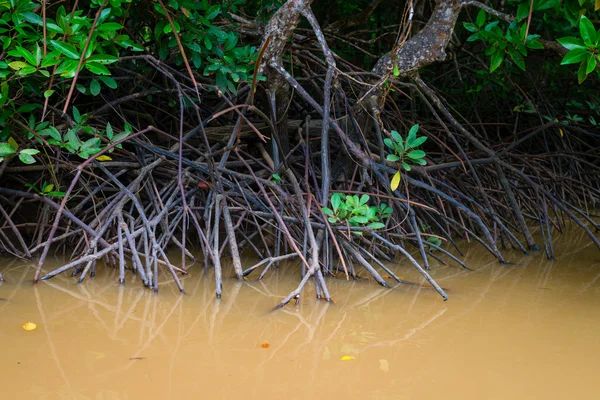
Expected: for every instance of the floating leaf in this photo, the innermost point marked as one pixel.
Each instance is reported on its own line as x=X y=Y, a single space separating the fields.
x=265 y=345
x=347 y=358
x=29 y=326
x=384 y=365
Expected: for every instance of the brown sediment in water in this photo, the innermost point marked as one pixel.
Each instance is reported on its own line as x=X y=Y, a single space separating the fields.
x=528 y=330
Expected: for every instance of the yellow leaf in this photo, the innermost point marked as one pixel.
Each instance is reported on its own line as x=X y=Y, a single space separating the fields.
x=347 y=358
x=395 y=181
x=597 y=6
x=384 y=365
x=13 y=143
x=103 y=158
x=29 y=326
x=560 y=130
x=98 y=355
x=17 y=65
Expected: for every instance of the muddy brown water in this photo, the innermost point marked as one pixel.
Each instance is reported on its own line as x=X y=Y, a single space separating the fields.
x=530 y=330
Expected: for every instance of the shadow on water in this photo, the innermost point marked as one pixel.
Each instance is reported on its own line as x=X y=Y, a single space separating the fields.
x=519 y=331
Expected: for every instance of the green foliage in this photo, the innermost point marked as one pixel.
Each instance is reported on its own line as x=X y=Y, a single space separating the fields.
x=47 y=189
x=276 y=179
x=11 y=148
x=405 y=152
x=210 y=48
x=355 y=211
x=583 y=50
x=34 y=70
x=511 y=41
x=553 y=18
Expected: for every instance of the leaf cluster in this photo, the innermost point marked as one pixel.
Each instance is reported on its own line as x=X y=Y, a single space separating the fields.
x=356 y=211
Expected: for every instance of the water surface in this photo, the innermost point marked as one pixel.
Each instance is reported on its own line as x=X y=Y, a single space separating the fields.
x=529 y=330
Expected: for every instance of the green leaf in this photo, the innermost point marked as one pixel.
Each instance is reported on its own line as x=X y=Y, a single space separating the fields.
x=376 y=225
x=48 y=188
x=31 y=152
x=103 y=58
x=66 y=48
x=471 y=27
x=412 y=135
x=359 y=220
x=94 y=87
x=52 y=27
x=52 y=132
x=32 y=17
x=406 y=166
x=108 y=81
x=6 y=150
x=396 y=70
x=327 y=211
x=396 y=136
x=76 y=115
x=480 y=18
x=364 y=199
x=50 y=60
x=56 y=194
x=109 y=26
x=392 y=157
x=418 y=141
x=332 y=220
x=26 y=54
x=591 y=64
x=588 y=33
x=89 y=144
x=371 y=213
x=534 y=44
x=416 y=154
x=497 y=59
x=27 y=70
x=517 y=57
x=109 y=131
x=571 y=43
x=388 y=142
x=48 y=93
x=67 y=68
x=72 y=140
x=574 y=56
x=97 y=68
x=213 y=11
x=581 y=73
x=336 y=200
x=37 y=54
x=119 y=137
x=26 y=158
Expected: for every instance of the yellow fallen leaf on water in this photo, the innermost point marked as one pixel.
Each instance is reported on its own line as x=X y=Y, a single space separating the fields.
x=103 y=158
x=347 y=358
x=29 y=326
x=384 y=365
x=98 y=355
